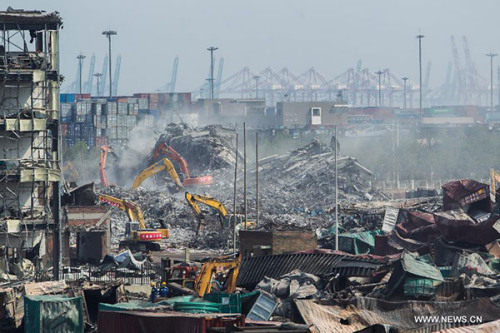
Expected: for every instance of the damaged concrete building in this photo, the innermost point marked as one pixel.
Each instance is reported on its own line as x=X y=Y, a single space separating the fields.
x=29 y=154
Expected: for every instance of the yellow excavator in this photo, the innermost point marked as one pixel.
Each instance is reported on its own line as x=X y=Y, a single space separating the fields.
x=70 y=173
x=203 y=281
x=156 y=168
x=494 y=179
x=193 y=200
x=138 y=237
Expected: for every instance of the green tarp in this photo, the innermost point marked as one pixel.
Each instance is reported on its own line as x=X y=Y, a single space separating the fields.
x=53 y=313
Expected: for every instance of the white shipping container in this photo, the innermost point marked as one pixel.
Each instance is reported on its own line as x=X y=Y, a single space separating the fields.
x=121 y=120
x=111 y=108
x=122 y=108
x=111 y=120
x=122 y=132
x=143 y=103
x=131 y=121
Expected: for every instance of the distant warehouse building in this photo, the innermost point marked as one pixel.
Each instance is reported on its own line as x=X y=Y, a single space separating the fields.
x=227 y=111
x=312 y=114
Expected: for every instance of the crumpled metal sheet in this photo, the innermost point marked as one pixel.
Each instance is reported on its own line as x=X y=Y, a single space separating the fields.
x=458 y=193
x=401 y=315
x=419 y=226
x=457 y=226
x=254 y=269
x=490 y=327
x=326 y=319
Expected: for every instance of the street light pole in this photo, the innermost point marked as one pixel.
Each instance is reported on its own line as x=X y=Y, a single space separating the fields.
x=404 y=94
x=212 y=49
x=98 y=76
x=108 y=34
x=256 y=78
x=80 y=58
x=420 y=71
x=379 y=73
x=491 y=55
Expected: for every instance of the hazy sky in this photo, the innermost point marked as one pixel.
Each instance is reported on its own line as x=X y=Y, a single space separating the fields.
x=329 y=35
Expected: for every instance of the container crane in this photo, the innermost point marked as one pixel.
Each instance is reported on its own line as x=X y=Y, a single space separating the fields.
x=219 y=77
x=117 y=75
x=173 y=79
x=90 y=79
x=104 y=76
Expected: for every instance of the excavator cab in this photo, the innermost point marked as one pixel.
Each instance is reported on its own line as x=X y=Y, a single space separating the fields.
x=131 y=228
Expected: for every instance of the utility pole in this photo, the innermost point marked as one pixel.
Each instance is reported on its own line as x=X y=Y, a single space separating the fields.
x=245 y=171
x=257 y=174
x=234 y=203
x=98 y=76
x=256 y=78
x=212 y=49
x=420 y=72
x=491 y=55
x=108 y=34
x=404 y=93
x=336 y=195
x=80 y=58
x=379 y=73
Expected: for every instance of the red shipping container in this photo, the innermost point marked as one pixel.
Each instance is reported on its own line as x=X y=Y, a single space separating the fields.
x=168 y=322
x=64 y=129
x=153 y=97
x=101 y=141
x=82 y=96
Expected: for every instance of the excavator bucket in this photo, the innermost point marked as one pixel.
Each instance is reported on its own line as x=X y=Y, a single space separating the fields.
x=202 y=180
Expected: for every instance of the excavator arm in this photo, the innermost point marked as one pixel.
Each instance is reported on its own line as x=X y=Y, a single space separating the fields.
x=102 y=164
x=209 y=201
x=157 y=168
x=163 y=150
x=133 y=210
x=193 y=200
x=203 y=281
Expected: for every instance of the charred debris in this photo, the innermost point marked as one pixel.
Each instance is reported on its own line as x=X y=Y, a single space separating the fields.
x=396 y=258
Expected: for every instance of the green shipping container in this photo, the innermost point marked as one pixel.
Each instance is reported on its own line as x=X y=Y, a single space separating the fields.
x=229 y=303
x=419 y=287
x=53 y=313
x=197 y=307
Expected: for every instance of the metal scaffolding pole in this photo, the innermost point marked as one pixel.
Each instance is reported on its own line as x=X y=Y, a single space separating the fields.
x=108 y=34
x=234 y=203
x=257 y=175
x=245 y=171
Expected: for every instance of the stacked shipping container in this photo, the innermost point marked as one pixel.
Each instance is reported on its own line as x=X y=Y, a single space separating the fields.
x=103 y=121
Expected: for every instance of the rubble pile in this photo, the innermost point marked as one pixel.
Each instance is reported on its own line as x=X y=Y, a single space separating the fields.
x=161 y=205
x=309 y=173
x=210 y=147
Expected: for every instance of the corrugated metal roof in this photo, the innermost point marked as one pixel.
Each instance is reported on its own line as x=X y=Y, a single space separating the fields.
x=491 y=327
x=254 y=269
x=326 y=319
x=420 y=268
x=401 y=315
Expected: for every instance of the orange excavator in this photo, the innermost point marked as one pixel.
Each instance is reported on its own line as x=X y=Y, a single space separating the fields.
x=105 y=150
x=162 y=150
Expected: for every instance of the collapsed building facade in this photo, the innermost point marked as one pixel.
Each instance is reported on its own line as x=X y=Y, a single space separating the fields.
x=29 y=104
